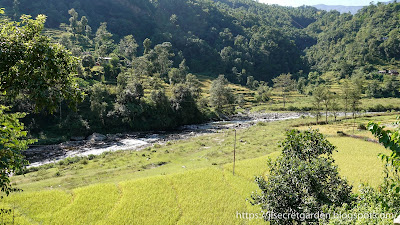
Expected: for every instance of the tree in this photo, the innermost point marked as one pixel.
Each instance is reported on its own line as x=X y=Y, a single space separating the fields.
x=99 y=101
x=302 y=180
x=220 y=93
x=30 y=65
x=263 y=93
x=285 y=83
x=73 y=21
x=184 y=104
x=176 y=76
x=160 y=58
x=104 y=42
x=391 y=87
x=127 y=47
x=326 y=101
x=334 y=105
x=374 y=90
x=250 y=82
x=354 y=100
x=88 y=62
x=146 y=45
x=346 y=92
x=194 y=85
x=318 y=96
x=12 y=143
x=240 y=100
x=301 y=85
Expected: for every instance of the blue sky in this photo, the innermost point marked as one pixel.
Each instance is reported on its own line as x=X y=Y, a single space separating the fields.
x=316 y=2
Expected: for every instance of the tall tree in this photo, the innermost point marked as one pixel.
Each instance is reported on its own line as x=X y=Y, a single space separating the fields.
x=128 y=47
x=285 y=84
x=346 y=94
x=147 y=46
x=103 y=40
x=220 y=93
x=326 y=101
x=318 y=96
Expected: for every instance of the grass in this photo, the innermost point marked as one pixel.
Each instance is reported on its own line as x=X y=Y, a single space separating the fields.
x=196 y=186
x=358 y=161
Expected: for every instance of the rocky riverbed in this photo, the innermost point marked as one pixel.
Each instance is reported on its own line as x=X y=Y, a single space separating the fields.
x=96 y=144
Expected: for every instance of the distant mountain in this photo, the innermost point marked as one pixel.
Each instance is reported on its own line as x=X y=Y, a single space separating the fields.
x=339 y=8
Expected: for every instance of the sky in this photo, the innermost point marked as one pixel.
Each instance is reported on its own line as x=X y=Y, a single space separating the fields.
x=316 y=2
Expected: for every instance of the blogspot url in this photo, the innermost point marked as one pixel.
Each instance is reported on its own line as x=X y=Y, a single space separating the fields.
x=270 y=216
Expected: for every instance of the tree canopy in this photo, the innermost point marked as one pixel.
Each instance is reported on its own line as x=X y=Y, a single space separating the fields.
x=31 y=66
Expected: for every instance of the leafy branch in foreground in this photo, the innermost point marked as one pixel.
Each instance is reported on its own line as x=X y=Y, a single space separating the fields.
x=391 y=140
x=32 y=66
x=12 y=143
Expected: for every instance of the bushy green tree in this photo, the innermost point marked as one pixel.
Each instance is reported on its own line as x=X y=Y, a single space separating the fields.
x=88 y=62
x=30 y=65
x=184 y=104
x=374 y=89
x=194 y=85
x=240 y=100
x=176 y=76
x=263 y=93
x=302 y=180
x=220 y=94
x=99 y=101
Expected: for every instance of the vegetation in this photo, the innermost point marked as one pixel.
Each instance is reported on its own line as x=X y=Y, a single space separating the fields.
x=31 y=66
x=302 y=180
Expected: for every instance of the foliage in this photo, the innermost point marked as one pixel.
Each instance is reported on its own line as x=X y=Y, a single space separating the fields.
x=220 y=93
x=30 y=64
x=391 y=140
x=285 y=83
x=12 y=142
x=303 y=179
x=263 y=93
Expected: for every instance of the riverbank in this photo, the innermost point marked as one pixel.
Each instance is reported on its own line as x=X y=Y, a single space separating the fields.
x=96 y=144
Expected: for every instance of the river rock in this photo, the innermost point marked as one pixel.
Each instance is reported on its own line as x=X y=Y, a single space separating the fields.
x=396 y=221
x=96 y=137
x=78 y=138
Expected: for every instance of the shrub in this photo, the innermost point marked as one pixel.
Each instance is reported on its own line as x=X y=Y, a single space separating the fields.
x=303 y=179
x=260 y=123
x=361 y=127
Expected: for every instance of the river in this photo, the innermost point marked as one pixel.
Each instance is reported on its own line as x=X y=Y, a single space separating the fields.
x=41 y=155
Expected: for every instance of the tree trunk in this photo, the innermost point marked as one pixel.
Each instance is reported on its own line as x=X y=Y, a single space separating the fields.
x=284 y=101
x=326 y=116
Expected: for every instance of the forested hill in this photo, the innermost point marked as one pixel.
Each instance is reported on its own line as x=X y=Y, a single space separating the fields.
x=356 y=43
x=241 y=38
x=232 y=37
